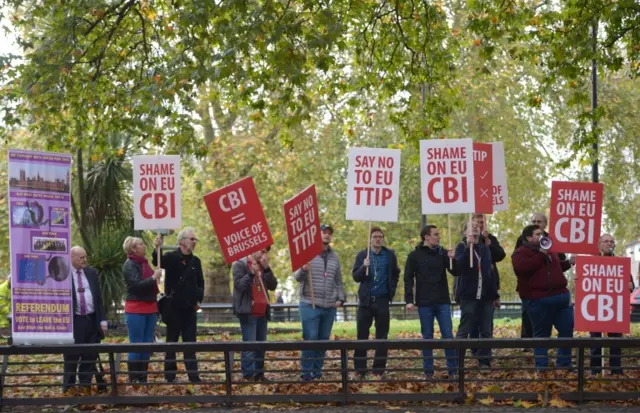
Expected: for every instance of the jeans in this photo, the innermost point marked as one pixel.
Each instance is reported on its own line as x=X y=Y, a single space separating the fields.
x=615 y=356
x=181 y=323
x=441 y=312
x=253 y=329
x=378 y=309
x=141 y=330
x=316 y=325
x=546 y=313
x=477 y=314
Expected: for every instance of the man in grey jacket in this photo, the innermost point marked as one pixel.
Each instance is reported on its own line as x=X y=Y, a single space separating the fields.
x=320 y=287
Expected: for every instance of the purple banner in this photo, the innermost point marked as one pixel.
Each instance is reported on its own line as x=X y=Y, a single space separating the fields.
x=39 y=197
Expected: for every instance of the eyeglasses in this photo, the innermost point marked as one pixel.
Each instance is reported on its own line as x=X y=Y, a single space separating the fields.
x=193 y=239
x=537 y=221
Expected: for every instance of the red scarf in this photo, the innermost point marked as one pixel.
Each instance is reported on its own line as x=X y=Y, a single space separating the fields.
x=259 y=302
x=147 y=272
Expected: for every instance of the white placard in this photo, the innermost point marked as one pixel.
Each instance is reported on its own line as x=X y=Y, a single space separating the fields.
x=446 y=174
x=157 y=192
x=373 y=189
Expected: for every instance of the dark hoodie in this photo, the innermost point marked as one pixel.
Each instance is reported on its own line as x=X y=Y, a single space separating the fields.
x=428 y=266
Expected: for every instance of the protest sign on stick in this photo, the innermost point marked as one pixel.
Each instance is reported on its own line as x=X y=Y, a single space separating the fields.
x=238 y=219
x=447 y=179
x=157 y=192
x=602 y=294
x=303 y=227
x=483 y=177
x=500 y=191
x=576 y=216
x=373 y=184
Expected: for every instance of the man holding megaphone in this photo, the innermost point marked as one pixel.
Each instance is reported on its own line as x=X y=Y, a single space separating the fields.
x=543 y=289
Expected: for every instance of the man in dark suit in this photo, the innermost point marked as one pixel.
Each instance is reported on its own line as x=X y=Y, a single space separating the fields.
x=89 y=321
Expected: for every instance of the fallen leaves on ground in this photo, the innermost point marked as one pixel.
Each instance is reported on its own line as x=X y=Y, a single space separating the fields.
x=516 y=375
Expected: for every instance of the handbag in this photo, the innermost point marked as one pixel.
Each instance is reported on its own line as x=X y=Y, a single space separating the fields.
x=164 y=307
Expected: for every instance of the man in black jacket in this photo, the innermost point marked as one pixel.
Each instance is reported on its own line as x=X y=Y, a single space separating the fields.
x=377 y=288
x=184 y=284
x=428 y=265
x=89 y=320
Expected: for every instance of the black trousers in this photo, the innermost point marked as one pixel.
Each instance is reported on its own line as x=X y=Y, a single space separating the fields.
x=183 y=324
x=615 y=356
x=85 y=331
x=527 y=327
x=377 y=310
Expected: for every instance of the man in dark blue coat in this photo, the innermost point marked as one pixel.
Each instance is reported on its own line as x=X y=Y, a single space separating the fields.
x=376 y=291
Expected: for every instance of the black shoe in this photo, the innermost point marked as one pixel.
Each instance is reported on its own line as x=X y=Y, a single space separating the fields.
x=103 y=388
x=195 y=379
x=260 y=377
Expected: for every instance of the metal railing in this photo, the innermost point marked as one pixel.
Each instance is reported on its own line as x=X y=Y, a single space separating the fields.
x=33 y=375
x=223 y=312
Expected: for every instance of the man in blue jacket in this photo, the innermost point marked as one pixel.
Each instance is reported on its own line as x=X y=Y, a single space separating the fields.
x=376 y=291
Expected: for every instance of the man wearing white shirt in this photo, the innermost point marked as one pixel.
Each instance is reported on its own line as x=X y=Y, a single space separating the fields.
x=89 y=321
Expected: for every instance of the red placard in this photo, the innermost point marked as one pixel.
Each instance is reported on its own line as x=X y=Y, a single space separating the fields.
x=576 y=215
x=238 y=219
x=602 y=294
x=303 y=227
x=483 y=177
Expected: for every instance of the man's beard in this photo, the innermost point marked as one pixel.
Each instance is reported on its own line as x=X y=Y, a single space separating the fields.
x=325 y=243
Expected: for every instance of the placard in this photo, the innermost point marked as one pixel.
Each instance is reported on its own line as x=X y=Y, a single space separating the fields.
x=303 y=227
x=157 y=193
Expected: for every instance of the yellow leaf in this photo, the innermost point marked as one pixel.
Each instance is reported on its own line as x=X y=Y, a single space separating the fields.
x=488 y=401
x=559 y=403
x=527 y=405
x=393 y=408
x=267 y=406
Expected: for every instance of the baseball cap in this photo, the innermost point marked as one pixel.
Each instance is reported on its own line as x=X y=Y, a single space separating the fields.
x=325 y=227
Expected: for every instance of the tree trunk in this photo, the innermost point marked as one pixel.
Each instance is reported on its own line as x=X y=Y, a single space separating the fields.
x=217 y=289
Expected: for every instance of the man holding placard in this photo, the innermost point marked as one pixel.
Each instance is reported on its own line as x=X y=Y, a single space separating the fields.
x=606 y=246
x=378 y=273
x=543 y=289
x=427 y=267
x=184 y=288
x=320 y=294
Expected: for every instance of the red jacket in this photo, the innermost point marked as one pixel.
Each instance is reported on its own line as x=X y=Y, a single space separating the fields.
x=539 y=275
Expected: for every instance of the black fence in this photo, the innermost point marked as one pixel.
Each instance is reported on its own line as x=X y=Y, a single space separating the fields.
x=33 y=375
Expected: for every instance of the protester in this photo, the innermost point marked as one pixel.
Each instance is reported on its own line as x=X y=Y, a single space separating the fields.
x=497 y=255
x=184 y=289
x=478 y=289
x=606 y=247
x=252 y=277
x=89 y=321
x=140 y=306
x=426 y=268
x=376 y=291
x=543 y=289
x=327 y=294
x=540 y=220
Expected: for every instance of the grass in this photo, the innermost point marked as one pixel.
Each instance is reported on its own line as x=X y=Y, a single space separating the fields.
x=399 y=329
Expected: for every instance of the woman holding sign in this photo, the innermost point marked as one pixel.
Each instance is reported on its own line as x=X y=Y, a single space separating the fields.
x=252 y=277
x=140 y=307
